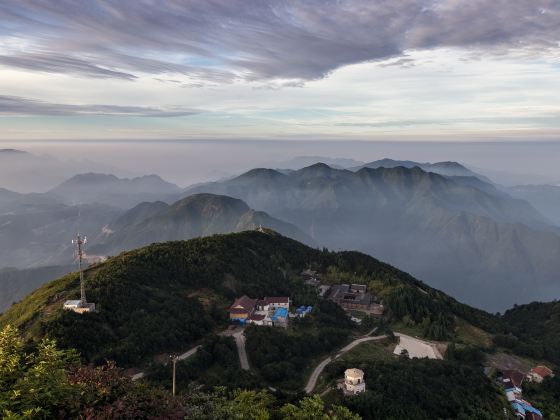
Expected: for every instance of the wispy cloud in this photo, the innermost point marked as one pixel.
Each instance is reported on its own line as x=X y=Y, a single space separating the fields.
x=223 y=40
x=13 y=105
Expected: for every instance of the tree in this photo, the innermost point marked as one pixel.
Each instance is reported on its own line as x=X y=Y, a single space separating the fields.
x=313 y=408
x=34 y=383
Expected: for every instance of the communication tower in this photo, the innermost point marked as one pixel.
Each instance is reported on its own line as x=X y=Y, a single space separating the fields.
x=82 y=305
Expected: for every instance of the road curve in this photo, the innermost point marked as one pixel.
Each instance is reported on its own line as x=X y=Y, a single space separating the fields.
x=321 y=366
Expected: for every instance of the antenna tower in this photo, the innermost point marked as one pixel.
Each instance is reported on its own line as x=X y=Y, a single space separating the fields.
x=79 y=242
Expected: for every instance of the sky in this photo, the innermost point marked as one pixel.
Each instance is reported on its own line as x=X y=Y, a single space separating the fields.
x=449 y=70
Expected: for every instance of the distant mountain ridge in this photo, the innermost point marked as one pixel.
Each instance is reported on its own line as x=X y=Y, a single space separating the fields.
x=16 y=284
x=476 y=243
x=194 y=216
x=108 y=189
x=27 y=172
x=448 y=168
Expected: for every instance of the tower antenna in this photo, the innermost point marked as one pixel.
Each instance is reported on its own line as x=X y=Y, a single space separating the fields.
x=79 y=242
x=82 y=305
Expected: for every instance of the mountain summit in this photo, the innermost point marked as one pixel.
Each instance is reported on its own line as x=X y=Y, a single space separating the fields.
x=193 y=216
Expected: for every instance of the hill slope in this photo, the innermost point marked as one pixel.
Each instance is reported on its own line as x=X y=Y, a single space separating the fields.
x=487 y=249
x=148 y=299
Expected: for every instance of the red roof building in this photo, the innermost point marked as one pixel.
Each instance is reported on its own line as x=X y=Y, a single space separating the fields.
x=539 y=373
x=512 y=377
x=242 y=308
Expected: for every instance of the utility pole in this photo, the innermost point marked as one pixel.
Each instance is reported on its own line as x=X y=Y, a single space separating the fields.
x=174 y=360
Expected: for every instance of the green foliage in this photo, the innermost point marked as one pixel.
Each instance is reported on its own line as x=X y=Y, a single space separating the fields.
x=545 y=396
x=313 y=408
x=147 y=305
x=216 y=363
x=422 y=389
x=534 y=330
x=33 y=382
x=470 y=355
x=416 y=306
x=49 y=383
x=282 y=357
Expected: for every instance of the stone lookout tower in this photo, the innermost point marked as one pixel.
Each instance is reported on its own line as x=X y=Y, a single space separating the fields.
x=353 y=382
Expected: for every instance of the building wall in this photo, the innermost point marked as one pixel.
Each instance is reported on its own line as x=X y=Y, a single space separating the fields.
x=355 y=389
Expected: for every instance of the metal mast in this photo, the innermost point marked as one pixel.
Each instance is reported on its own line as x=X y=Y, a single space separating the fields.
x=79 y=242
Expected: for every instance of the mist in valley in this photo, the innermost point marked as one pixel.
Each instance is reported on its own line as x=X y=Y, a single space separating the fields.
x=477 y=229
x=185 y=162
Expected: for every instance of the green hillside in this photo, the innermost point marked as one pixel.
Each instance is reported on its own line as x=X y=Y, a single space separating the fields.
x=166 y=296
x=535 y=330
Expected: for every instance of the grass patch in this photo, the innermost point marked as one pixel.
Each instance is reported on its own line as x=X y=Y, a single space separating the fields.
x=370 y=351
x=469 y=334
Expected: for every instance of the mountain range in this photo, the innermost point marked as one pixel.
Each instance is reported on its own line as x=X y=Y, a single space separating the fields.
x=26 y=172
x=119 y=192
x=485 y=248
x=454 y=229
x=442 y=168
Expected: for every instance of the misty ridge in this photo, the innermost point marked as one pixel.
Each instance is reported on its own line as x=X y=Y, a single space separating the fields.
x=489 y=245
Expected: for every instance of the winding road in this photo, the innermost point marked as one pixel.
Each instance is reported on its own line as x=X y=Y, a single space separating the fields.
x=321 y=366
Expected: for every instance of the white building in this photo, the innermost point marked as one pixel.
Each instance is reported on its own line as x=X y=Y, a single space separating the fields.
x=353 y=382
x=273 y=303
x=78 y=307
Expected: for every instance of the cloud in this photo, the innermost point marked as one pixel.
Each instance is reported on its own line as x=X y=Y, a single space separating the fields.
x=17 y=106
x=260 y=40
x=55 y=63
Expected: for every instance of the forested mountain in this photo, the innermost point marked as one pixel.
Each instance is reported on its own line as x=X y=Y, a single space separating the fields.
x=147 y=299
x=120 y=192
x=165 y=297
x=535 y=329
x=196 y=215
x=486 y=248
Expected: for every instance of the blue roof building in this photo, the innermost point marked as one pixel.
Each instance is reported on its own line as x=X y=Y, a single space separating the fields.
x=280 y=317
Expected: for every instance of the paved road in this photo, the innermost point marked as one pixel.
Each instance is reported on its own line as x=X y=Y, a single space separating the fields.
x=240 y=342
x=321 y=366
x=188 y=354
x=183 y=356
